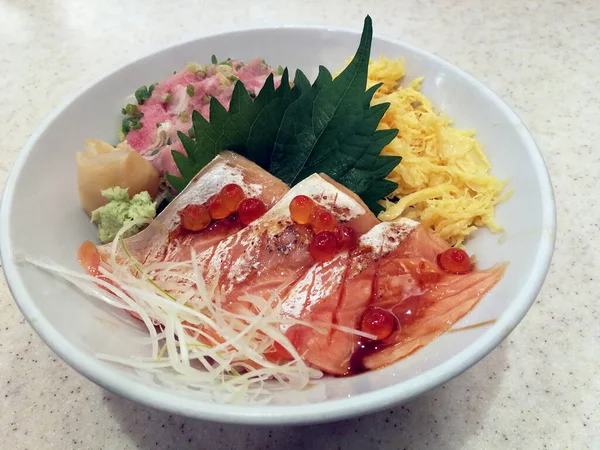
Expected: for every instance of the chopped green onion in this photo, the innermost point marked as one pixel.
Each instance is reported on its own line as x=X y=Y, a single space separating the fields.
x=169 y=141
x=190 y=90
x=184 y=116
x=143 y=93
x=280 y=70
x=121 y=135
x=131 y=110
x=132 y=123
x=191 y=133
x=201 y=73
x=214 y=60
x=206 y=98
x=233 y=78
x=168 y=98
x=154 y=152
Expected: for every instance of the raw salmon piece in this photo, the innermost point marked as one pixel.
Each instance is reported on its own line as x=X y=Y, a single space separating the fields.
x=342 y=303
x=272 y=252
x=363 y=223
x=317 y=298
x=329 y=294
x=440 y=308
x=394 y=265
x=161 y=239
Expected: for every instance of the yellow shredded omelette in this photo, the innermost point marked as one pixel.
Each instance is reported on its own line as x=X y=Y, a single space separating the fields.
x=444 y=178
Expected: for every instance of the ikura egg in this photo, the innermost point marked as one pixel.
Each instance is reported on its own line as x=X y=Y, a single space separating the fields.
x=231 y=196
x=455 y=260
x=322 y=220
x=301 y=209
x=324 y=246
x=346 y=237
x=250 y=210
x=217 y=207
x=194 y=217
x=379 y=322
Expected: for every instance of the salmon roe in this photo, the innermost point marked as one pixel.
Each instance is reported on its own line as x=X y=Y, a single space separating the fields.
x=379 y=322
x=455 y=260
x=231 y=196
x=89 y=258
x=251 y=209
x=194 y=217
x=322 y=220
x=329 y=238
x=301 y=209
x=324 y=246
x=217 y=207
x=346 y=237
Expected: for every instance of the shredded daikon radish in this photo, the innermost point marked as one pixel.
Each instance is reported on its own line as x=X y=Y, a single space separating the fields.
x=202 y=345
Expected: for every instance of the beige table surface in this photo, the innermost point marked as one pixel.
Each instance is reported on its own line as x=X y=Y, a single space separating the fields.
x=539 y=389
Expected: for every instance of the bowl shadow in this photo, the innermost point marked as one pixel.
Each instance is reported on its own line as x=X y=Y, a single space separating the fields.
x=445 y=417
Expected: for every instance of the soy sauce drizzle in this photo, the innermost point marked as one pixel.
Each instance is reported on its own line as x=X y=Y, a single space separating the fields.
x=366 y=347
x=405 y=314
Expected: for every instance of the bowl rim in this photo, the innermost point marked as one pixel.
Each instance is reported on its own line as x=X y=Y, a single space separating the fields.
x=320 y=412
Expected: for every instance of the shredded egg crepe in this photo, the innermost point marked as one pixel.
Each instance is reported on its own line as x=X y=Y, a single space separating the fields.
x=444 y=178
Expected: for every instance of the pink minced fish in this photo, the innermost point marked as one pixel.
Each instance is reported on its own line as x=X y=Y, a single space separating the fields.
x=163 y=119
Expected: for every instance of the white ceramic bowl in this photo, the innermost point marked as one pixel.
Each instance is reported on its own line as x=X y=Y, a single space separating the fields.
x=41 y=215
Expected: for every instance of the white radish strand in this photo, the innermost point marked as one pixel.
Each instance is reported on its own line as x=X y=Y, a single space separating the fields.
x=247 y=383
x=89 y=284
x=145 y=295
x=176 y=295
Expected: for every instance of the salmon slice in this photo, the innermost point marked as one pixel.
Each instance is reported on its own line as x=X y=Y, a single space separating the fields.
x=363 y=223
x=163 y=238
x=272 y=252
x=341 y=301
x=438 y=309
x=393 y=268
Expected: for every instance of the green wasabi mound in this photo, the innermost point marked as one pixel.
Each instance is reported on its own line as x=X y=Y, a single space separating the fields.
x=119 y=210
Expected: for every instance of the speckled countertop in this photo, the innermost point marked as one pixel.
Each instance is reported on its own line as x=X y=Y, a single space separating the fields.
x=539 y=389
